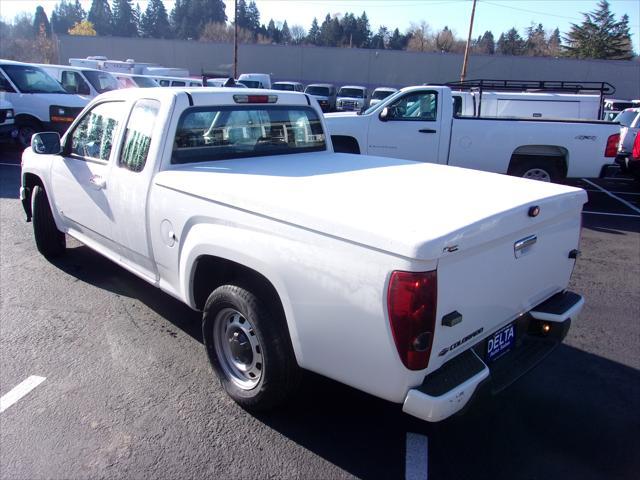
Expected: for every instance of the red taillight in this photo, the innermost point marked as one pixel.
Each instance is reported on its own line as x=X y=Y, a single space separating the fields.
x=635 y=155
x=412 y=313
x=612 y=145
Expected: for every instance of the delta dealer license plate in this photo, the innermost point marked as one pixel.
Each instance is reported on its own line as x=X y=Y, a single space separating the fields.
x=501 y=342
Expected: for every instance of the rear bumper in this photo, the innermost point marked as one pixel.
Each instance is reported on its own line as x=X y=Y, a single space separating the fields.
x=451 y=388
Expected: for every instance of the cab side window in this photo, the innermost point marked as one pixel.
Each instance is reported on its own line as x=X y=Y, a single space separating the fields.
x=416 y=106
x=74 y=83
x=137 y=138
x=93 y=136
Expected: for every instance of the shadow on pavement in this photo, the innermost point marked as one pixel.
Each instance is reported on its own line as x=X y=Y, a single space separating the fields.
x=575 y=416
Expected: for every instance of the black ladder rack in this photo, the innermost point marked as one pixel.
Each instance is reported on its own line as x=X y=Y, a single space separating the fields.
x=533 y=86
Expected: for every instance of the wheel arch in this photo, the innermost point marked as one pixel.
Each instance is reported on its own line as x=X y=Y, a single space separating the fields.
x=29 y=181
x=546 y=153
x=345 y=144
x=209 y=270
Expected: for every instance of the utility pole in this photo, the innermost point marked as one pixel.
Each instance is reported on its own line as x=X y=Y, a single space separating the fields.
x=466 y=49
x=235 y=40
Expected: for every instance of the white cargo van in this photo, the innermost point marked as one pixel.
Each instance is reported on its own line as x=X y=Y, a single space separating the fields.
x=255 y=80
x=82 y=80
x=165 y=81
x=39 y=101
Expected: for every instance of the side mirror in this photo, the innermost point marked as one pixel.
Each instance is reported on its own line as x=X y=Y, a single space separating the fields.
x=46 y=143
x=384 y=114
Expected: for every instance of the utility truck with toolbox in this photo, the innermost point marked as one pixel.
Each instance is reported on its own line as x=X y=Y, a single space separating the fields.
x=418 y=123
x=373 y=271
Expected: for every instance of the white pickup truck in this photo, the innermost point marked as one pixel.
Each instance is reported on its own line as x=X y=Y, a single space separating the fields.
x=373 y=271
x=418 y=123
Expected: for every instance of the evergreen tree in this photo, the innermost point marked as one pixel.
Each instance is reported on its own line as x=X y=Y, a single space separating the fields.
x=485 y=44
x=253 y=17
x=285 y=34
x=349 y=25
x=314 y=33
x=397 y=41
x=101 y=17
x=380 y=39
x=41 y=25
x=511 y=43
x=272 y=32
x=364 y=32
x=154 y=22
x=536 y=43
x=137 y=17
x=123 y=19
x=65 y=15
x=554 y=44
x=241 y=15
x=330 y=32
x=599 y=36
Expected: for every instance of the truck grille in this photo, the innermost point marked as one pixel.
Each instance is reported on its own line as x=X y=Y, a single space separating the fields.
x=349 y=105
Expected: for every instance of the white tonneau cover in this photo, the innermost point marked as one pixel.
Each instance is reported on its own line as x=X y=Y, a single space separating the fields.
x=406 y=208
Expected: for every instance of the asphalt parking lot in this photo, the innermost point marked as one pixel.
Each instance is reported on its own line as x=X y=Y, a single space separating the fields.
x=118 y=385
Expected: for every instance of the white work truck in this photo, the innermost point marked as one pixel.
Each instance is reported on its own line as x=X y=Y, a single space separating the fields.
x=413 y=282
x=418 y=123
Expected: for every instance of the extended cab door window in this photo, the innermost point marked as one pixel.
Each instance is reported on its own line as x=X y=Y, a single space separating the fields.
x=416 y=106
x=137 y=137
x=74 y=83
x=93 y=137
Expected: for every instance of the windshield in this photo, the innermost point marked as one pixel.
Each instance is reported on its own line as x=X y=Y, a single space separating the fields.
x=626 y=118
x=381 y=94
x=101 y=81
x=379 y=105
x=351 y=92
x=251 y=83
x=283 y=86
x=30 y=79
x=144 y=82
x=219 y=133
x=320 y=91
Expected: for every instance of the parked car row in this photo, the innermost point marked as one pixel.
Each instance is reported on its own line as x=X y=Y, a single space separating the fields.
x=628 y=156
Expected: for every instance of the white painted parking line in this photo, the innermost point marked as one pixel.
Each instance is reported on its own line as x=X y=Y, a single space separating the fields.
x=611 y=191
x=19 y=391
x=611 y=214
x=621 y=200
x=10 y=164
x=417 y=457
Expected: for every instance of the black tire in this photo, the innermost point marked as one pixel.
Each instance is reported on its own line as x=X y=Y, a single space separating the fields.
x=529 y=168
x=26 y=129
x=50 y=241
x=279 y=374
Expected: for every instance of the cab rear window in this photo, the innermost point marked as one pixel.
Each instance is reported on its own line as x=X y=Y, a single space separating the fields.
x=220 y=133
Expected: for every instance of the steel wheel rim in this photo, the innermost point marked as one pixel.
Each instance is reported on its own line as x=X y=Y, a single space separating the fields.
x=537 y=174
x=238 y=349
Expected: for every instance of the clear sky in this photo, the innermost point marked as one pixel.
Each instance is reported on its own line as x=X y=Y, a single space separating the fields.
x=495 y=15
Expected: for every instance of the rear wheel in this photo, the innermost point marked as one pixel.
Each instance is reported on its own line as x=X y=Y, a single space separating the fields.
x=543 y=170
x=249 y=348
x=50 y=241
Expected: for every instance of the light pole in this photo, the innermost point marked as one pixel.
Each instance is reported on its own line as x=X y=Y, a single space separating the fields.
x=466 y=49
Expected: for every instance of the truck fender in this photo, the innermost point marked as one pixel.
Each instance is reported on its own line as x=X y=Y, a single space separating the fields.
x=235 y=245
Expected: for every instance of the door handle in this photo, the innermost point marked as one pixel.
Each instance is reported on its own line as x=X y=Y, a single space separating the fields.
x=427 y=130
x=98 y=182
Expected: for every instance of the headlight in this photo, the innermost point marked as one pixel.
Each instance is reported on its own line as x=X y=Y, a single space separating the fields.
x=9 y=114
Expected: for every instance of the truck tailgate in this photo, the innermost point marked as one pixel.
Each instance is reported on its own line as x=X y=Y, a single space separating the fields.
x=493 y=282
